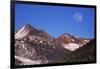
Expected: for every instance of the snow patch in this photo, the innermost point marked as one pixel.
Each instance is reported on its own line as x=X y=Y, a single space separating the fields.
x=21 y=33
x=28 y=61
x=71 y=46
x=86 y=41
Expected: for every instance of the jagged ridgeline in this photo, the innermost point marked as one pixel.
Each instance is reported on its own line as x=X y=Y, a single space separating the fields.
x=35 y=46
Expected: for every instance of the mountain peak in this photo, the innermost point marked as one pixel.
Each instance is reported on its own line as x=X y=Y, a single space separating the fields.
x=24 y=31
x=66 y=34
x=28 y=27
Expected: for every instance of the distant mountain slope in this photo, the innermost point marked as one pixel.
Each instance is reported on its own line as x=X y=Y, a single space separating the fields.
x=71 y=42
x=86 y=53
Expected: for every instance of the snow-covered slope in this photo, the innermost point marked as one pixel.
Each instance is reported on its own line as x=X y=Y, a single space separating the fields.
x=71 y=46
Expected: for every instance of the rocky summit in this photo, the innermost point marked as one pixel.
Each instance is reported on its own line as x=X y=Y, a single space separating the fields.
x=71 y=42
x=35 y=46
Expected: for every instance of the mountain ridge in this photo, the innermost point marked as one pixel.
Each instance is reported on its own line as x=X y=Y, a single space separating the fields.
x=40 y=47
x=66 y=40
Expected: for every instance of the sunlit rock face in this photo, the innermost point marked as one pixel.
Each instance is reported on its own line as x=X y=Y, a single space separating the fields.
x=29 y=30
x=71 y=42
x=24 y=31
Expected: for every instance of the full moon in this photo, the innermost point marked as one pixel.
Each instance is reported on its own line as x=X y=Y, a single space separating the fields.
x=78 y=17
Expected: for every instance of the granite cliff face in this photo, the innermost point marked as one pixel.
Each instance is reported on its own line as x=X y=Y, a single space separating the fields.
x=35 y=46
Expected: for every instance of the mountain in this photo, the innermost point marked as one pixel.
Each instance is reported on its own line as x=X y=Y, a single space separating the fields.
x=29 y=30
x=84 y=54
x=35 y=46
x=70 y=42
